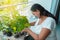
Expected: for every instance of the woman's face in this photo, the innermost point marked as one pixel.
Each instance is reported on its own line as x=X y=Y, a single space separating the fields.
x=36 y=13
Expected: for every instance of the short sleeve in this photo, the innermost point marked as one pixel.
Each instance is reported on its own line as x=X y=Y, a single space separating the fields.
x=49 y=24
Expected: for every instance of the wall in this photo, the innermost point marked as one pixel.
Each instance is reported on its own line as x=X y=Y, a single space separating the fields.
x=45 y=3
x=50 y=5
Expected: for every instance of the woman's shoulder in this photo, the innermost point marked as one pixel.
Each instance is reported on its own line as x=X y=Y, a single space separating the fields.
x=50 y=18
x=49 y=21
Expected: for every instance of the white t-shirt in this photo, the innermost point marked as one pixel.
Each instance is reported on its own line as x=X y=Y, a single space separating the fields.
x=48 y=23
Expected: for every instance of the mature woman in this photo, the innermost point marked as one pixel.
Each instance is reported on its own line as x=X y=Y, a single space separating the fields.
x=44 y=27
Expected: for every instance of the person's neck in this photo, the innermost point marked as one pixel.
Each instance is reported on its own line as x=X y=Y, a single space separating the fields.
x=43 y=17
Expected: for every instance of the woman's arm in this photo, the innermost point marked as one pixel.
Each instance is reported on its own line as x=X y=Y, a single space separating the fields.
x=32 y=23
x=42 y=36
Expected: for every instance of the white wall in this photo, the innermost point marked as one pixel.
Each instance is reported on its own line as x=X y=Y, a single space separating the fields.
x=45 y=3
x=50 y=5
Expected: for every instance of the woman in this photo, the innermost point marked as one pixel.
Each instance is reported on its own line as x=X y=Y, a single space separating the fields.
x=44 y=27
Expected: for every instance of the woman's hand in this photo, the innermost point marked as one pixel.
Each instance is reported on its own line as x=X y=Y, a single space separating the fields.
x=25 y=30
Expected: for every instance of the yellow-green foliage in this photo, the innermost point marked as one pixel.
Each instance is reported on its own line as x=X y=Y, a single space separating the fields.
x=17 y=24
